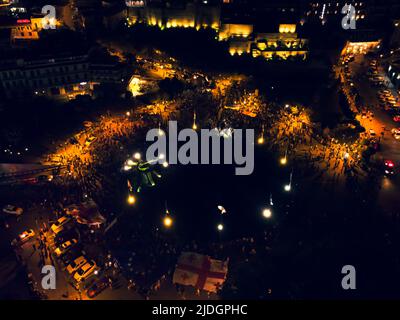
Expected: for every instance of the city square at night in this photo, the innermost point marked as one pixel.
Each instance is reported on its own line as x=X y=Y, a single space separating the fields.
x=199 y=150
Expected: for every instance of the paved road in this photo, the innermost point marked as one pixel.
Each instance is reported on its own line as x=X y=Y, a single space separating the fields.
x=390 y=148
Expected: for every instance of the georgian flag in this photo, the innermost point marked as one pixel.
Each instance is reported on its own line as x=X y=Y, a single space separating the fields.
x=200 y=271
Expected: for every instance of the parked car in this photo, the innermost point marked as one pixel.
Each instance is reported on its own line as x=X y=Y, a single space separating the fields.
x=10 y=209
x=59 y=225
x=76 y=264
x=97 y=287
x=24 y=237
x=84 y=271
x=66 y=246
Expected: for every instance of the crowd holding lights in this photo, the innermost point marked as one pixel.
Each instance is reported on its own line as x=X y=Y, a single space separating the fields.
x=288 y=127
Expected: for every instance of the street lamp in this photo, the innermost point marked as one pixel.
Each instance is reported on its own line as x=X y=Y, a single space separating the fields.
x=261 y=138
x=130 y=163
x=283 y=160
x=267 y=213
x=222 y=209
x=167 y=221
x=220 y=227
x=137 y=156
x=165 y=164
x=194 y=121
x=160 y=131
x=131 y=199
x=288 y=186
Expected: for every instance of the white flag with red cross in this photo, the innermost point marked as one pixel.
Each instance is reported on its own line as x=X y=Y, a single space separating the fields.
x=200 y=271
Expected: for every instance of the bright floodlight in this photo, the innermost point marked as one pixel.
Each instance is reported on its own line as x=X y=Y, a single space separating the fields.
x=131 y=199
x=130 y=162
x=167 y=221
x=137 y=156
x=220 y=227
x=165 y=164
x=222 y=209
x=267 y=213
x=288 y=187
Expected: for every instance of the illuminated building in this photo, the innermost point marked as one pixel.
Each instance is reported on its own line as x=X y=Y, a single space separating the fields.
x=60 y=75
x=233 y=23
x=282 y=45
x=332 y=9
x=279 y=45
x=187 y=15
x=22 y=78
x=235 y=30
x=29 y=29
x=361 y=47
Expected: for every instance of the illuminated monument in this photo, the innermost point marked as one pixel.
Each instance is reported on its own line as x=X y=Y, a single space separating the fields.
x=283 y=43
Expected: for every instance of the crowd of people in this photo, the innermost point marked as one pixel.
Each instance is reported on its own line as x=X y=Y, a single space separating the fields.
x=286 y=130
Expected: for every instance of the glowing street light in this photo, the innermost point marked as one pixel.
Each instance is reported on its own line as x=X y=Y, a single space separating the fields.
x=137 y=156
x=220 y=227
x=222 y=209
x=194 y=121
x=288 y=186
x=131 y=199
x=267 y=213
x=130 y=162
x=165 y=164
x=160 y=131
x=167 y=221
x=283 y=160
x=261 y=138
